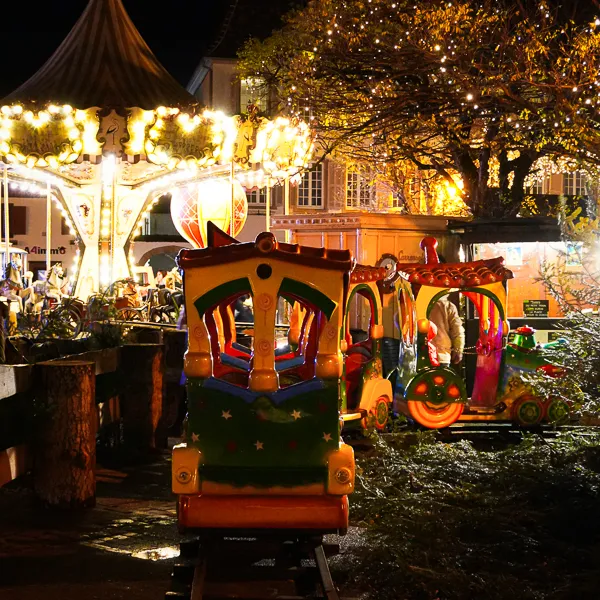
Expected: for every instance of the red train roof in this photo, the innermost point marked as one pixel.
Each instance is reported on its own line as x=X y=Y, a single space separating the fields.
x=457 y=275
x=362 y=273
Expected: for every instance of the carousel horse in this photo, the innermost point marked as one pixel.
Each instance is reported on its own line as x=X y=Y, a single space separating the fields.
x=33 y=297
x=55 y=282
x=11 y=288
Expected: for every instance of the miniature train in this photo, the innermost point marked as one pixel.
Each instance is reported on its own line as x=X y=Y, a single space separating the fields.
x=435 y=396
x=262 y=444
x=263 y=447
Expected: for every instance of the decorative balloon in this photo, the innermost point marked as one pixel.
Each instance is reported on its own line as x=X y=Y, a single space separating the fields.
x=192 y=206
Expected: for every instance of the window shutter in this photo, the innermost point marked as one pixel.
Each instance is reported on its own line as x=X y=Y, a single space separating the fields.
x=17 y=220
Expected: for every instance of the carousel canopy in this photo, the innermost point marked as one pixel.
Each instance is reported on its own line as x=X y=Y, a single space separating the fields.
x=105 y=62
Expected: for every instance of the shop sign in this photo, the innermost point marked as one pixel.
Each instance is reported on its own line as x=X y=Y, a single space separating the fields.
x=41 y=250
x=536 y=308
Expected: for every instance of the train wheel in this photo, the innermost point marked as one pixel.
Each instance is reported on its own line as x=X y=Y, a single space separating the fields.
x=378 y=415
x=436 y=397
x=528 y=411
x=557 y=411
x=381 y=412
x=435 y=416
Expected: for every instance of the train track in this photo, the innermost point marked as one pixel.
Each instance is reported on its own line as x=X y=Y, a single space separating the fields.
x=265 y=567
x=486 y=435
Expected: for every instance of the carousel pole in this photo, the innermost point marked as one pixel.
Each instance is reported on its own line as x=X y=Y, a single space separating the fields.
x=286 y=204
x=268 y=206
x=232 y=216
x=6 y=219
x=48 y=229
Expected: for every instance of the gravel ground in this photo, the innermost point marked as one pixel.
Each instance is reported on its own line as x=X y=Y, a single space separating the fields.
x=112 y=552
x=123 y=549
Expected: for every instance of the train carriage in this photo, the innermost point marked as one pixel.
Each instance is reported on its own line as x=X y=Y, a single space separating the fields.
x=366 y=395
x=262 y=446
x=436 y=396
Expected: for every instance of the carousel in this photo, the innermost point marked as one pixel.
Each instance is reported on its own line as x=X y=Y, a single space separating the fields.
x=104 y=130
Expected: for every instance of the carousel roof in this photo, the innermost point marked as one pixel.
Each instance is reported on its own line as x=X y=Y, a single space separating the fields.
x=104 y=61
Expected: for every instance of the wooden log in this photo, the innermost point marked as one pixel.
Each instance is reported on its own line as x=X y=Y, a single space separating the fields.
x=65 y=438
x=142 y=371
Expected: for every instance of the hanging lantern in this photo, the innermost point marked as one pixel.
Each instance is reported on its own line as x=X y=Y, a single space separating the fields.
x=194 y=205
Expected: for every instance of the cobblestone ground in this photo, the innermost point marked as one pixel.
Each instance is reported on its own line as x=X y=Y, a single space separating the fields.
x=121 y=550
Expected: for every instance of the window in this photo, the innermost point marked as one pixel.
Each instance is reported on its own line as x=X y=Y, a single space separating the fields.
x=573 y=254
x=17 y=220
x=574 y=184
x=64 y=227
x=257 y=197
x=310 y=190
x=253 y=91
x=360 y=190
x=540 y=186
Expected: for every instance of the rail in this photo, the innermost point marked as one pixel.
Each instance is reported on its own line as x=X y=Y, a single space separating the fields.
x=285 y=565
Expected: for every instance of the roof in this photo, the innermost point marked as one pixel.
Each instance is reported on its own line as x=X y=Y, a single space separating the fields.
x=517 y=230
x=225 y=249
x=104 y=61
x=456 y=275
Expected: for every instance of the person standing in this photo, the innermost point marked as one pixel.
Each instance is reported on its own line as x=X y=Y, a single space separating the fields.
x=450 y=338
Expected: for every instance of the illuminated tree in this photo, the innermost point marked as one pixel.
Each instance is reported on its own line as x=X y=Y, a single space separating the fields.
x=482 y=89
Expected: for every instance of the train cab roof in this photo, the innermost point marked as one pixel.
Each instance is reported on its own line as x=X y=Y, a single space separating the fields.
x=222 y=249
x=364 y=273
x=455 y=275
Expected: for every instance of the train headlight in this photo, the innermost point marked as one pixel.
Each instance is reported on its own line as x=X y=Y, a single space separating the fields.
x=343 y=476
x=340 y=464
x=184 y=476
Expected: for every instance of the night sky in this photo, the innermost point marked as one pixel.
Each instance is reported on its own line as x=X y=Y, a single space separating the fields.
x=179 y=32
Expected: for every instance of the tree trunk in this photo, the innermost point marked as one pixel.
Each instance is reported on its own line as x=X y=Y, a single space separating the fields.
x=142 y=368
x=65 y=445
x=522 y=166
